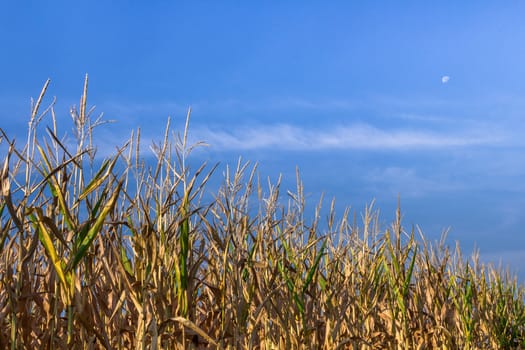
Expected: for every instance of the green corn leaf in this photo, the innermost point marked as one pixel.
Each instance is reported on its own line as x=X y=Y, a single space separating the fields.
x=99 y=178
x=406 y=284
x=299 y=303
x=183 y=255
x=393 y=276
x=126 y=262
x=314 y=267
x=400 y=301
x=47 y=242
x=94 y=214
x=289 y=282
x=95 y=229
x=176 y=265
x=287 y=249
x=57 y=192
x=395 y=289
x=290 y=285
x=44 y=158
x=184 y=246
x=323 y=282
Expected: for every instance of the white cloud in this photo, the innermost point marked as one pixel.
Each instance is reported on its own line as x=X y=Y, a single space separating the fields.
x=395 y=180
x=357 y=136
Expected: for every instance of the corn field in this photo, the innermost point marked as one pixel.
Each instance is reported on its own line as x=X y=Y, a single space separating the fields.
x=127 y=253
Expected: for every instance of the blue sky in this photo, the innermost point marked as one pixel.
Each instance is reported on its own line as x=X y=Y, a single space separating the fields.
x=353 y=94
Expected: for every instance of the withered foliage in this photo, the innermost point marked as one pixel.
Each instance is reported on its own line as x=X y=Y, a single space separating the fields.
x=114 y=253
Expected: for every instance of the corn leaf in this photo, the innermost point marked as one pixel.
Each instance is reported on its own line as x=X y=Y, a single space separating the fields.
x=57 y=191
x=99 y=177
x=314 y=267
x=126 y=262
x=47 y=242
x=95 y=229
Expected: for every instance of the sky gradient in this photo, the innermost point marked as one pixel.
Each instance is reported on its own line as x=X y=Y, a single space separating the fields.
x=369 y=101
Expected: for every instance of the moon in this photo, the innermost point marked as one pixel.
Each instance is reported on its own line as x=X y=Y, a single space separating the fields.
x=445 y=79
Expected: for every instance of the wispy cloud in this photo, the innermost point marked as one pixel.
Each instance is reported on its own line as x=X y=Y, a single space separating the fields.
x=357 y=136
x=396 y=180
